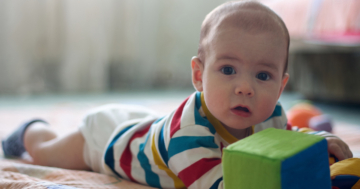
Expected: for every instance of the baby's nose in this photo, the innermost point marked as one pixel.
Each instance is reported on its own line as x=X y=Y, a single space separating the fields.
x=245 y=88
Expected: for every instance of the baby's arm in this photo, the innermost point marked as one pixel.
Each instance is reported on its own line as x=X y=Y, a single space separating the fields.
x=336 y=146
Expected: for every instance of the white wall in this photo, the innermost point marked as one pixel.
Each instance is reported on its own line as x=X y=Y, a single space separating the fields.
x=98 y=45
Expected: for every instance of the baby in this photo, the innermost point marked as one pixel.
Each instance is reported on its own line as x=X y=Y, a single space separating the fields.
x=239 y=74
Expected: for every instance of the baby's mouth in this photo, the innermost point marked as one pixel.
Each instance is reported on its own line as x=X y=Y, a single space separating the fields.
x=241 y=111
x=240 y=108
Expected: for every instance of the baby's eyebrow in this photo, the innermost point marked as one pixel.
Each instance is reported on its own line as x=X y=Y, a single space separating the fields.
x=269 y=65
x=228 y=57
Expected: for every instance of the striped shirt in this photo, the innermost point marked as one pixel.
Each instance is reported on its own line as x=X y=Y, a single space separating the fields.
x=180 y=150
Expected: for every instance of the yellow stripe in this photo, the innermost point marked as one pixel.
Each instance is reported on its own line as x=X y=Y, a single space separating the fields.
x=217 y=125
x=158 y=161
x=346 y=167
x=305 y=130
x=356 y=185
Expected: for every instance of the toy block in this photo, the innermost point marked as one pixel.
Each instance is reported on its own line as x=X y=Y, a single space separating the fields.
x=275 y=158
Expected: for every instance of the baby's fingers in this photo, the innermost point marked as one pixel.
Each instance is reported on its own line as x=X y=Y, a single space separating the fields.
x=345 y=149
x=336 y=150
x=347 y=152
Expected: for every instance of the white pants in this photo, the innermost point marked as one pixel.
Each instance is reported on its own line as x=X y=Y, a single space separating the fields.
x=99 y=124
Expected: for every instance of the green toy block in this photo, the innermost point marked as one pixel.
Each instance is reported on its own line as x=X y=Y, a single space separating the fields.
x=275 y=158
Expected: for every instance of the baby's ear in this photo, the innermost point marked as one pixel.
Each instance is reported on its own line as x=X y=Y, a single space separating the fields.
x=197 y=68
x=283 y=83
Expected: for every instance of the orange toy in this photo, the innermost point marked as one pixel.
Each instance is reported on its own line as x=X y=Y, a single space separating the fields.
x=300 y=114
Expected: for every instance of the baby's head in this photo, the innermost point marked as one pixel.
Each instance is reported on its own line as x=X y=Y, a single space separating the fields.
x=249 y=16
x=241 y=63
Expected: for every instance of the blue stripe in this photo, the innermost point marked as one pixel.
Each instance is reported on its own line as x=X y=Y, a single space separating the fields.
x=202 y=121
x=345 y=181
x=277 y=112
x=162 y=148
x=216 y=183
x=198 y=100
x=180 y=144
x=199 y=120
x=109 y=154
x=158 y=120
x=59 y=186
x=151 y=178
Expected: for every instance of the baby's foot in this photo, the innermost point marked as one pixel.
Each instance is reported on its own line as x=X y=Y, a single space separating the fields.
x=13 y=146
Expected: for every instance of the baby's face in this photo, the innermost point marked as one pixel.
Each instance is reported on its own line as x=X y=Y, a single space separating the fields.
x=243 y=76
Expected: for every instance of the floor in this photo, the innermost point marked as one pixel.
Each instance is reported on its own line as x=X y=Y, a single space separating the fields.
x=64 y=112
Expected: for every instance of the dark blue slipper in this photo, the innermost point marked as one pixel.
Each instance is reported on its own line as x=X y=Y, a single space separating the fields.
x=13 y=145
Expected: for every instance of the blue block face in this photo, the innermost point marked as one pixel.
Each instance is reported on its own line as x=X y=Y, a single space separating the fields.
x=310 y=166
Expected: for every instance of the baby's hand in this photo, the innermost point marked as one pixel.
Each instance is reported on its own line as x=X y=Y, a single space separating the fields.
x=338 y=148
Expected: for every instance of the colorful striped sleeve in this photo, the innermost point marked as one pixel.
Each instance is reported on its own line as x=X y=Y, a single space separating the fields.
x=196 y=160
x=312 y=132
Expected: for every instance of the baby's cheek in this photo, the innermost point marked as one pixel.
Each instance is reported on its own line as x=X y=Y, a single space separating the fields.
x=267 y=107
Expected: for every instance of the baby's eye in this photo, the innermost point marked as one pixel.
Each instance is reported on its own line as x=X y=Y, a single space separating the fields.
x=263 y=76
x=227 y=70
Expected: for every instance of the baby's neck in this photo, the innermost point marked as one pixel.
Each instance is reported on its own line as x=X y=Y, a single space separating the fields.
x=238 y=133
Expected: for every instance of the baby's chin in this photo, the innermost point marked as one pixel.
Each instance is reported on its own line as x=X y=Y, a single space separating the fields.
x=236 y=123
x=236 y=126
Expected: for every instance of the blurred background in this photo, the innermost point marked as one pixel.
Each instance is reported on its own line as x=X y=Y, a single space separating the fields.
x=101 y=46
x=60 y=58
x=98 y=46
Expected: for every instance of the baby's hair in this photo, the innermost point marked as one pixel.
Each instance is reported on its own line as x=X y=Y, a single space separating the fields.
x=254 y=17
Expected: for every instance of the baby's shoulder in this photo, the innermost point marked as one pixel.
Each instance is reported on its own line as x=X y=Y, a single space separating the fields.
x=276 y=120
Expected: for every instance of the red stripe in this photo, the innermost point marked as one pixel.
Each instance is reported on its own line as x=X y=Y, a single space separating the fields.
x=288 y=126
x=176 y=120
x=192 y=173
x=221 y=148
x=126 y=157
